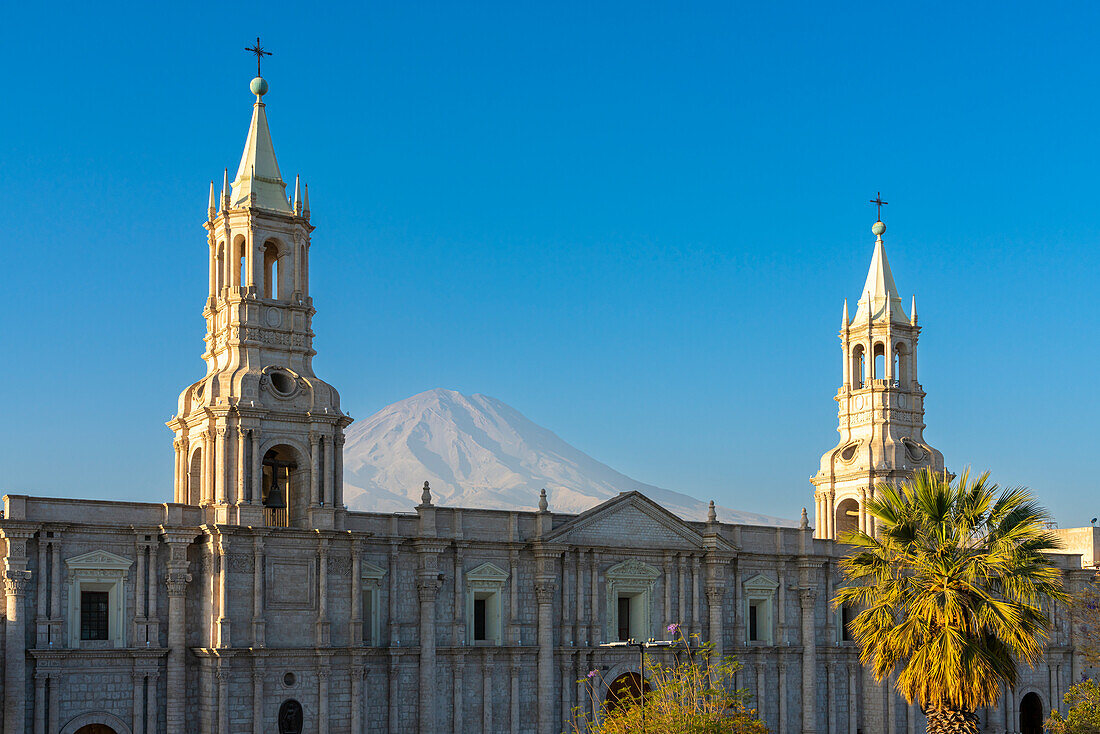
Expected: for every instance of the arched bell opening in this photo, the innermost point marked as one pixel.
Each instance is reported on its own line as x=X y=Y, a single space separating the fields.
x=194 y=478
x=285 y=487
x=847 y=517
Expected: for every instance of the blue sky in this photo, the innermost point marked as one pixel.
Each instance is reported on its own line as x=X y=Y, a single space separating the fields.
x=634 y=222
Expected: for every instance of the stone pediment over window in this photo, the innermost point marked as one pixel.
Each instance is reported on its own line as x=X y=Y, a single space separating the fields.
x=99 y=560
x=486 y=573
x=760 y=582
x=631 y=520
x=370 y=572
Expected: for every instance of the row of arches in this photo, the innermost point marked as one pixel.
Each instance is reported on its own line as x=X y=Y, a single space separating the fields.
x=276 y=277
x=285 y=481
x=898 y=370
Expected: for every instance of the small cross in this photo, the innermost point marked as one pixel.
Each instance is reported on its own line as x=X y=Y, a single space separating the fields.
x=260 y=53
x=876 y=201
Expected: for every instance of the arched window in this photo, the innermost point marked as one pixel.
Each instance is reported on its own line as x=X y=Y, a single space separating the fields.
x=880 y=362
x=285 y=487
x=271 y=271
x=238 y=251
x=901 y=364
x=859 y=367
x=194 y=478
x=847 y=517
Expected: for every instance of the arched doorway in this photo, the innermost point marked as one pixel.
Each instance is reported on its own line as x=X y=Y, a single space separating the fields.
x=290 y=717
x=1031 y=714
x=625 y=691
x=95 y=729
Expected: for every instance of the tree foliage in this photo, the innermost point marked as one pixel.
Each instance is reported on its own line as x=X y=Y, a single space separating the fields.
x=694 y=695
x=951 y=590
x=1083 y=711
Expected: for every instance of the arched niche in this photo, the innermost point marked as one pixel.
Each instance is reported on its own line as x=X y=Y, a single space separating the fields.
x=96 y=722
x=285 y=485
x=847 y=517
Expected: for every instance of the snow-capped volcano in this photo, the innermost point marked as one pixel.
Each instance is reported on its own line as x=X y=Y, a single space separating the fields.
x=478 y=452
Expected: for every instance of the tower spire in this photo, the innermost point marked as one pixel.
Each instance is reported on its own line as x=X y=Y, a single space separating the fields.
x=258 y=174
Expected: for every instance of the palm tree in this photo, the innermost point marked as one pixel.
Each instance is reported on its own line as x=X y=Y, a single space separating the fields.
x=952 y=588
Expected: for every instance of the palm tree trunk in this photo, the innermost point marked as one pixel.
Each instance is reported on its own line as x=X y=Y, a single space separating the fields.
x=945 y=720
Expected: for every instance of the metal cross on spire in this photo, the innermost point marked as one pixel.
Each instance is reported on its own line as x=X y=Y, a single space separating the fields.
x=877 y=201
x=260 y=53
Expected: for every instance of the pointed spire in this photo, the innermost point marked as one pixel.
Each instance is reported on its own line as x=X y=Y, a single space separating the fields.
x=212 y=207
x=258 y=175
x=844 y=322
x=879 y=287
x=305 y=202
x=913 y=311
x=226 y=191
x=297 y=195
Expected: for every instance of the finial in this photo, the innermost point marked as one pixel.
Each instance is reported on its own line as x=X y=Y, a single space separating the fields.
x=712 y=516
x=426 y=496
x=297 y=196
x=225 y=189
x=543 y=504
x=844 y=323
x=878 y=228
x=913 y=311
x=259 y=84
x=211 y=208
x=804 y=523
x=305 y=200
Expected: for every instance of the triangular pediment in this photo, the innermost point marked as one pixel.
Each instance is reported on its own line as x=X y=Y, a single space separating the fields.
x=629 y=520
x=487 y=572
x=370 y=571
x=100 y=560
x=760 y=582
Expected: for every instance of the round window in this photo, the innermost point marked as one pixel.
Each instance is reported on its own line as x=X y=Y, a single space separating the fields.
x=289 y=679
x=282 y=382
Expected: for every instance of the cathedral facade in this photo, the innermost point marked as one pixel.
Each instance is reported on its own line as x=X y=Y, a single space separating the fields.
x=255 y=602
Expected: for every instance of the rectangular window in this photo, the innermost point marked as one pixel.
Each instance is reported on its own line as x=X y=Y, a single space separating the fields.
x=479 y=620
x=94 y=614
x=753 y=631
x=624 y=617
x=846 y=616
x=368 y=617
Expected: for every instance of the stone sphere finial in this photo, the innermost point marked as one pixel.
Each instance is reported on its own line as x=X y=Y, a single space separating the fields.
x=543 y=504
x=804 y=523
x=878 y=228
x=258 y=86
x=426 y=495
x=712 y=515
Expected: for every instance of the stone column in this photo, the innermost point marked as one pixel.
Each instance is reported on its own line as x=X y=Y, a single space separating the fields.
x=314 y=469
x=323 y=634
x=458 y=633
x=783 y=698
x=595 y=629
x=830 y=517
x=808 y=597
x=139 y=592
x=911 y=718
x=40 y=703
x=513 y=596
x=394 y=692
x=330 y=472
x=853 y=701
x=176 y=580
x=681 y=586
x=338 y=472
x=714 y=606
x=487 y=692
x=176 y=473
x=258 y=624
x=891 y=706
x=151 y=703
x=427 y=586
x=458 y=691
x=738 y=607
x=391 y=615
x=514 y=698
x=761 y=690
x=566 y=689
x=221 y=675
x=55 y=586
x=219 y=471
x=581 y=634
x=355 y=625
x=257 y=495
x=138 y=718
x=54 y=708
x=257 y=696
x=41 y=623
x=696 y=592
x=223 y=591
x=830 y=695
x=544 y=595
x=240 y=487
x=322 y=698
x=666 y=574
x=208 y=467
x=16 y=580
x=358 y=672
x=567 y=620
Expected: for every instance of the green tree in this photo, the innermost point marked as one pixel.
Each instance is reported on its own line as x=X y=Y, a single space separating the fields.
x=1083 y=711
x=694 y=695
x=951 y=589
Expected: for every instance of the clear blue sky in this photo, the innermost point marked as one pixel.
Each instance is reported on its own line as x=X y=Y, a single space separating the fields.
x=633 y=222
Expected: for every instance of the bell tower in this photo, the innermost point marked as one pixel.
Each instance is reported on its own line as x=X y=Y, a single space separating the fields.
x=881 y=404
x=259 y=438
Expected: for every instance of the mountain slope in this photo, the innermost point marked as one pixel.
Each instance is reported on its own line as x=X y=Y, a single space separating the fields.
x=479 y=452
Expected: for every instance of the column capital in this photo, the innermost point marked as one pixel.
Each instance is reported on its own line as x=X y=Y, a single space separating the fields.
x=427 y=589
x=323 y=673
x=807 y=596
x=714 y=595
x=177 y=581
x=16 y=582
x=544 y=591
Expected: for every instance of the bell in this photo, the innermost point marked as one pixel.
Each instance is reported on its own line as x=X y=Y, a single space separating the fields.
x=275 y=499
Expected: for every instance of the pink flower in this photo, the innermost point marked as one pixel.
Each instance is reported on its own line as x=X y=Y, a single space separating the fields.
x=592 y=674
x=673 y=628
